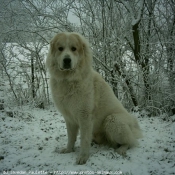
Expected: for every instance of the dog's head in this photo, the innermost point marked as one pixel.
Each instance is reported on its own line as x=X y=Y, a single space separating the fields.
x=69 y=52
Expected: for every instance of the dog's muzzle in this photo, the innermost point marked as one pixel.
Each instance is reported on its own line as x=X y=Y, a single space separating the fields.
x=67 y=63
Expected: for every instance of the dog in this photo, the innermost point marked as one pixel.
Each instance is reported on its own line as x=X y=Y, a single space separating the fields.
x=85 y=100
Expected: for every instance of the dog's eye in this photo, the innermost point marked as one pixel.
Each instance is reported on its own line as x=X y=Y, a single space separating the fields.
x=60 y=48
x=73 y=48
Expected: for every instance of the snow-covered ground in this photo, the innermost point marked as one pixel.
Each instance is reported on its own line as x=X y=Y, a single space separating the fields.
x=30 y=140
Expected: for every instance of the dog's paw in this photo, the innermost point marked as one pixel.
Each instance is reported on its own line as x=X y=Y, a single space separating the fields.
x=82 y=159
x=122 y=150
x=65 y=150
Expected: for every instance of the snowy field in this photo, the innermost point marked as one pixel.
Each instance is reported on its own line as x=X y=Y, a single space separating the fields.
x=30 y=140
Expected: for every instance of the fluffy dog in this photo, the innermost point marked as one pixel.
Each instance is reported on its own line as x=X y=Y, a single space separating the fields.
x=85 y=100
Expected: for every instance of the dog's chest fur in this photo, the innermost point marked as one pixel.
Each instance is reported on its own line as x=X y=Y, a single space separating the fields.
x=72 y=97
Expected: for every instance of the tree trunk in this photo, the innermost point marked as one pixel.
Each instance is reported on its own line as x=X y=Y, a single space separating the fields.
x=32 y=76
x=143 y=62
x=128 y=83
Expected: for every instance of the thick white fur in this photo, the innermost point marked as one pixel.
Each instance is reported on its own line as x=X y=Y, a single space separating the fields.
x=86 y=101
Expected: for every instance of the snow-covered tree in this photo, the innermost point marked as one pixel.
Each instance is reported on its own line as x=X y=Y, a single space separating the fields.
x=132 y=43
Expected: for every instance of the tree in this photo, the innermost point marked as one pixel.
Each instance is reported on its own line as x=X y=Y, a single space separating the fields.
x=132 y=43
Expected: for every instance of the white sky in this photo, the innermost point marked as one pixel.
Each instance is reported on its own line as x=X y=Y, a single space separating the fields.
x=73 y=19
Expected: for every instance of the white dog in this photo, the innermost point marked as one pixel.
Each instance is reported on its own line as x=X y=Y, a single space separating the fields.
x=85 y=100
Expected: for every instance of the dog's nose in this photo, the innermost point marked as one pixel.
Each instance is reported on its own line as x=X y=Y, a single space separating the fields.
x=67 y=63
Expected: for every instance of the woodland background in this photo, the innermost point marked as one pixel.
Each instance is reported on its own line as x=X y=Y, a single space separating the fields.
x=133 y=43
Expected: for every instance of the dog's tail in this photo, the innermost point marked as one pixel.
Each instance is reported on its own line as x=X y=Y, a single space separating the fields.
x=137 y=132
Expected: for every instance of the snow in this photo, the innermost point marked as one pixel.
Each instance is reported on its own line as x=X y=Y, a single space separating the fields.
x=30 y=141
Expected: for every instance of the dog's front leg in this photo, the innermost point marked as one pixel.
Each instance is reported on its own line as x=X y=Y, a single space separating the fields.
x=72 y=130
x=86 y=127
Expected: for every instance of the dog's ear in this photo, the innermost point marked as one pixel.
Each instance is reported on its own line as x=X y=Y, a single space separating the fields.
x=84 y=45
x=85 y=49
x=53 y=43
